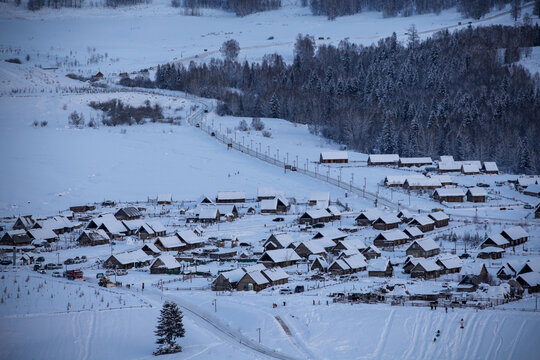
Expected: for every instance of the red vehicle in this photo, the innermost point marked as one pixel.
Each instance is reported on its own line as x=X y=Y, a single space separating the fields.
x=74 y=274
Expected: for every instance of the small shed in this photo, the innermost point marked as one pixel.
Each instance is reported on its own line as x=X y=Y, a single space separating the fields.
x=491 y=252
x=490 y=167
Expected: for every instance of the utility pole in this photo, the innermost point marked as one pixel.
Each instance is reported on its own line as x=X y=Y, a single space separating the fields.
x=214 y=302
x=259 y=330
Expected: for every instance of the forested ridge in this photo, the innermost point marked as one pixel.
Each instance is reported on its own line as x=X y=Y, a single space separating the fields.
x=458 y=93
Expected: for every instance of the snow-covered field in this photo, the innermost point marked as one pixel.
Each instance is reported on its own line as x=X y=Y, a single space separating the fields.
x=48 y=168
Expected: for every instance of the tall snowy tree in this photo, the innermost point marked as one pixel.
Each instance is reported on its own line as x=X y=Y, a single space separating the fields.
x=274 y=106
x=524 y=165
x=169 y=328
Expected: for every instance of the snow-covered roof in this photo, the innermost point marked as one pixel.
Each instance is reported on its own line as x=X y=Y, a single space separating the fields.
x=96 y=235
x=470 y=168
x=447 y=158
x=269 y=191
x=189 y=237
x=528 y=180
x=425 y=182
x=383 y=158
x=379 y=264
x=405 y=214
x=109 y=223
x=443 y=179
x=257 y=277
x=284 y=239
x=353 y=244
x=332 y=209
x=428 y=265
x=231 y=195
x=130 y=211
x=388 y=219
x=157 y=226
x=423 y=220
x=234 y=276
x=275 y=274
x=44 y=233
x=334 y=155
x=169 y=262
x=414 y=231
x=533 y=264
x=314 y=247
x=169 y=242
x=449 y=166
x=164 y=198
x=472 y=268
x=152 y=247
x=451 y=262
x=498 y=239
x=475 y=163
x=393 y=235
x=317 y=213
x=321 y=261
x=439 y=216
x=490 y=166
x=208 y=212
x=324 y=242
x=372 y=248
x=341 y=264
x=282 y=255
x=319 y=196
x=348 y=253
x=356 y=261
x=491 y=249
x=416 y=160
x=26 y=221
x=371 y=214
x=133 y=225
x=531 y=278
x=398 y=179
x=477 y=191
x=443 y=192
x=516 y=232
x=427 y=244
x=533 y=188
x=330 y=234
x=132 y=257
x=269 y=204
x=57 y=222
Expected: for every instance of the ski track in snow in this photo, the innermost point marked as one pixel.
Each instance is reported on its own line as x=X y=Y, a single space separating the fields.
x=383 y=338
x=91 y=329
x=516 y=340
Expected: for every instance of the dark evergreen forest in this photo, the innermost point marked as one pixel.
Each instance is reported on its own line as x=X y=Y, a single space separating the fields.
x=458 y=93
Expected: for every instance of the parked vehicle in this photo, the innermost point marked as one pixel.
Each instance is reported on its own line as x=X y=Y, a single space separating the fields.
x=278 y=219
x=109 y=272
x=56 y=274
x=528 y=206
x=100 y=275
x=40 y=259
x=318 y=225
x=464 y=256
x=121 y=272
x=74 y=274
x=50 y=266
x=69 y=262
x=5 y=262
x=42 y=271
x=299 y=289
x=482 y=185
x=285 y=291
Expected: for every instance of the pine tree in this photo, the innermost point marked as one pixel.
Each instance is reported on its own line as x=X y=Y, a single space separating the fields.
x=536 y=10
x=169 y=328
x=524 y=165
x=387 y=139
x=274 y=106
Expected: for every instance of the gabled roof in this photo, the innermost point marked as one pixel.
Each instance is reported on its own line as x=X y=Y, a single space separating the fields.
x=340 y=263
x=157 y=226
x=26 y=221
x=393 y=235
x=449 y=166
x=516 y=232
x=203 y=199
x=443 y=179
x=372 y=249
x=56 y=223
x=379 y=264
x=451 y=262
x=313 y=247
x=533 y=188
x=96 y=235
x=383 y=158
x=108 y=223
x=400 y=179
x=422 y=220
x=426 y=244
x=334 y=155
x=281 y=255
x=525 y=180
x=152 y=248
x=371 y=214
x=447 y=158
x=147 y=229
x=413 y=231
x=208 y=212
x=356 y=261
x=353 y=244
x=423 y=182
x=472 y=268
x=470 y=168
x=284 y=239
x=269 y=204
x=189 y=237
x=388 y=219
x=316 y=214
x=44 y=234
x=234 y=276
x=405 y=214
x=132 y=225
x=497 y=239
x=275 y=274
x=331 y=234
x=442 y=192
x=416 y=160
x=129 y=211
x=531 y=279
x=490 y=166
x=490 y=250
x=169 y=242
x=324 y=242
x=427 y=264
x=439 y=216
x=169 y=262
x=231 y=195
x=332 y=209
x=257 y=277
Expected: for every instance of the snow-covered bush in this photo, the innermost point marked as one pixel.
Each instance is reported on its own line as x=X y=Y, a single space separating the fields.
x=242 y=126
x=267 y=133
x=257 y=124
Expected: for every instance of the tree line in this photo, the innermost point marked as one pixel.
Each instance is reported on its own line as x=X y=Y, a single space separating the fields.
x=458 y=93
x=239 y=7
x=391 y=8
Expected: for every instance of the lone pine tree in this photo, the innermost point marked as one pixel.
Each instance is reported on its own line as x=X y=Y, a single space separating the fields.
x=169 y=328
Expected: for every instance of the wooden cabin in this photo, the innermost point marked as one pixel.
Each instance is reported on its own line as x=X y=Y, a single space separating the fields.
x=423 y=248
x=334 y=157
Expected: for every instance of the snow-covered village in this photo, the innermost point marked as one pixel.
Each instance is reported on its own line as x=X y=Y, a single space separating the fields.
x=269 y=179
